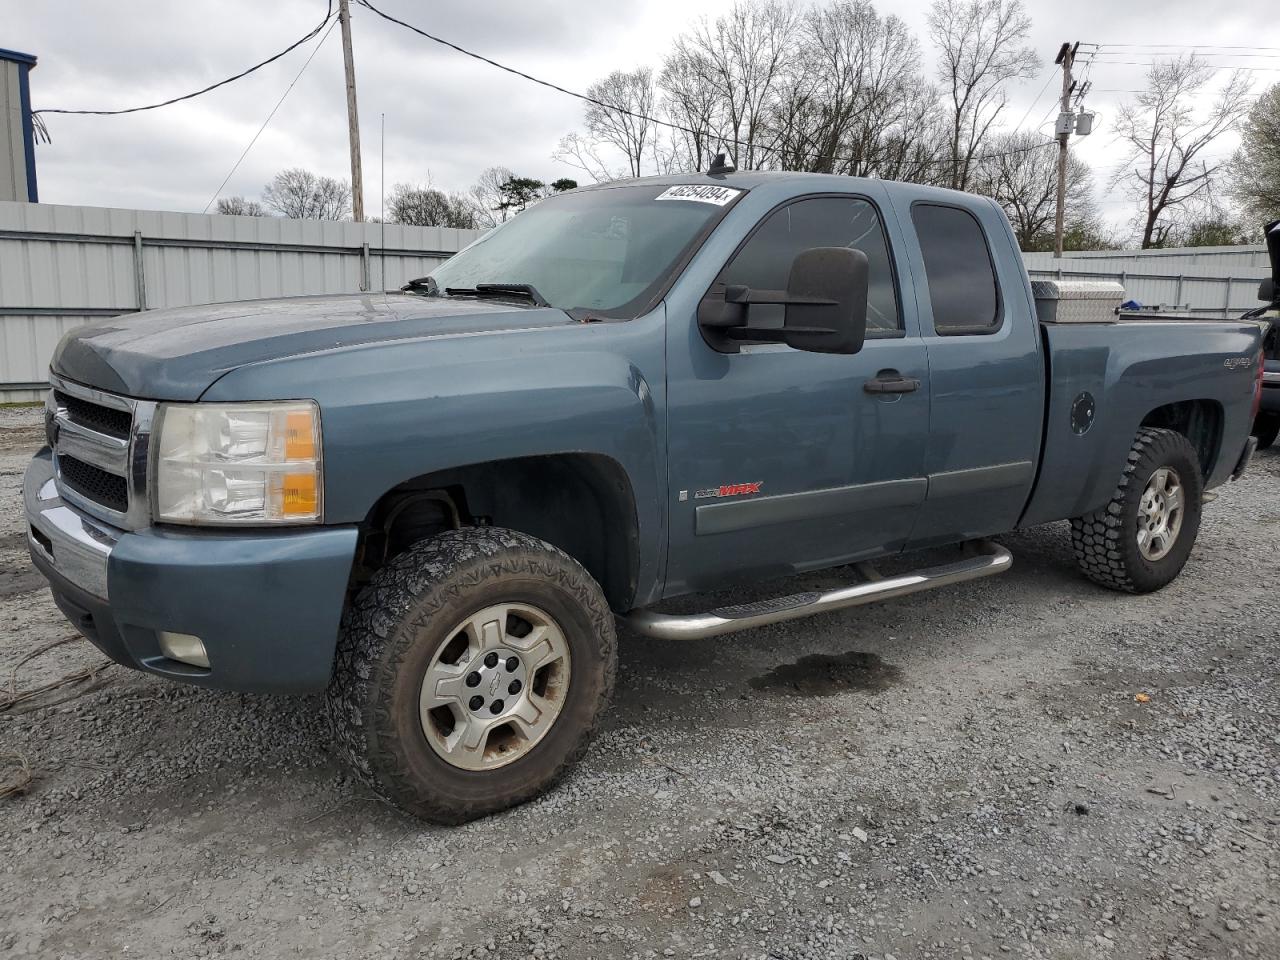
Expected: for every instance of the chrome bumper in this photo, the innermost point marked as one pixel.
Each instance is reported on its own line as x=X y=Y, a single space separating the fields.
x=74 y=545
x=265 y=604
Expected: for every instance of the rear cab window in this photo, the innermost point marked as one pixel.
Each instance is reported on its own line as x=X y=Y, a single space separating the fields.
x=959 y=270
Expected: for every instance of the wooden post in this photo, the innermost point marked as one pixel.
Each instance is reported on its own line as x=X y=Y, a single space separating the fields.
x=1065 y=58
x=353 y=118
x=139 y=272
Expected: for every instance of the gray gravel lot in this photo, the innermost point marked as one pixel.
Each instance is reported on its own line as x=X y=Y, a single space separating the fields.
x=964 y=774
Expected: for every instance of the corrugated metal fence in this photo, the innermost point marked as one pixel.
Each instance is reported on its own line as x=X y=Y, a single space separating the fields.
x=1206 y=281
x=63 y=266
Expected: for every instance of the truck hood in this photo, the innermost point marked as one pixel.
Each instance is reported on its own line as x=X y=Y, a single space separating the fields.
x=177 y=354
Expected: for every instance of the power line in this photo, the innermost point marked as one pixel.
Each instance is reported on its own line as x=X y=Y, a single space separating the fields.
x=1218 y=66
x=249 y=147
x=1182 y=46
x=1045 y=119
x=213 y=86
x=1105 y=57
x=664 y=123
x=1048 y=80
x=1157 y=54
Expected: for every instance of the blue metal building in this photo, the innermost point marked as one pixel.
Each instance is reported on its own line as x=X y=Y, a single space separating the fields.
x=17 y=133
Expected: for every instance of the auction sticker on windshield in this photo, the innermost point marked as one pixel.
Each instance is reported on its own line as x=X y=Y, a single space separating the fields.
x=702 y=193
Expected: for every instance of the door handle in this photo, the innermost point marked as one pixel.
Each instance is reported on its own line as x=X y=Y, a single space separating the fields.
x=890 y=382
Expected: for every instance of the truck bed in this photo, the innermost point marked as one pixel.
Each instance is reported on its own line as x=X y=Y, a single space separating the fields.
x=1134 y=372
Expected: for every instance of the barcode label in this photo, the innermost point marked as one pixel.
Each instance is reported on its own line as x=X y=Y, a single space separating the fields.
x=702 y=193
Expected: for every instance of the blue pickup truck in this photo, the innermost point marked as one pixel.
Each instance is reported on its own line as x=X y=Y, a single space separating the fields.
x=434 y=504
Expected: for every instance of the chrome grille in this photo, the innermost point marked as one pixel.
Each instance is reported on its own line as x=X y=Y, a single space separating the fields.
x=98 y=485
x=100 y=443
x=113 y=423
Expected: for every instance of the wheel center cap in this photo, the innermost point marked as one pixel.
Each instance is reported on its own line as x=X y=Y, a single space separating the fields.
x=495 y=679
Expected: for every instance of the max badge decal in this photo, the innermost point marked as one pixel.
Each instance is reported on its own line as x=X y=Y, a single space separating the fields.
x=729 y=490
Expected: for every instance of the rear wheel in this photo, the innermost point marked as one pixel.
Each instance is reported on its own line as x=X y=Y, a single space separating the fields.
x=471 y=673
x=1141 y=539
x=1266 y=428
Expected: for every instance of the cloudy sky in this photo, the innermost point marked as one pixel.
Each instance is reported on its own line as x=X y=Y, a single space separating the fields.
x=447 y=117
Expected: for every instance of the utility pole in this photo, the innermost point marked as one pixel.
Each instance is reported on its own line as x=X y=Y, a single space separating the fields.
x=353 y=118
x=1066 y=57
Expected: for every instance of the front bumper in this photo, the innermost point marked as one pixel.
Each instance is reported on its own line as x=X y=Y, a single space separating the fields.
x=266 y=604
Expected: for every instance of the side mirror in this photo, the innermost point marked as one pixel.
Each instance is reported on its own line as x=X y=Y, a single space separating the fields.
x=1267 y=291
x=825 y=306
x=827 y=301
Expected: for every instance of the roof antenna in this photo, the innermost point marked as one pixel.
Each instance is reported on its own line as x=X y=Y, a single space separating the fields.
x=721 y=165
x=382 y=213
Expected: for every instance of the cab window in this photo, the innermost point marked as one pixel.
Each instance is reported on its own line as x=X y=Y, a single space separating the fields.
x=764 y=261
x=958 y=268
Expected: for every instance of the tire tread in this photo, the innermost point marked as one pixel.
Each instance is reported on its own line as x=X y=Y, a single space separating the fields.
x=418 y=583
x=1098 y=538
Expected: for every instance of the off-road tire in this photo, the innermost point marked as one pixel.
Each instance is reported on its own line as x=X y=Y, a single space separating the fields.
x=1266 y=428
x=1106 y=543
x=398 y=622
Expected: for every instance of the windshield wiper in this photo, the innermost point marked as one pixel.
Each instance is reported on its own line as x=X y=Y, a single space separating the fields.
x=493 y=291
x=427 y=284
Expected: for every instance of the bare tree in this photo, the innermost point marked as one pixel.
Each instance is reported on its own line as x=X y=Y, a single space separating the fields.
x=486 y=194
x=717 y=88
x=691 y=100
x=853 y=85
x=424 y=206
x=624 y=123
x=831 y=86
x=1166 y=140
x=667 y=152
x=746 y=54
x=583 y=154
x=1022 y=177
x=981 y=49
x=239 y=207
x=1255 y=169
x=301 y=195
x=914 y=149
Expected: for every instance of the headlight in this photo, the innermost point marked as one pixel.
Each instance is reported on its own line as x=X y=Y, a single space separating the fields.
x=239 y=463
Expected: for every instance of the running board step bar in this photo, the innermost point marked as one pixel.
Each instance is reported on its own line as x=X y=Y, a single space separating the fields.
x=985 y=559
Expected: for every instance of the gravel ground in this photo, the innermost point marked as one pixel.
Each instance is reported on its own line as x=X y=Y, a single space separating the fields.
x=966 y=773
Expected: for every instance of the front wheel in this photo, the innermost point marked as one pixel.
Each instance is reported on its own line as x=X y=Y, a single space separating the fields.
x=1141 y=539
x=471 y=673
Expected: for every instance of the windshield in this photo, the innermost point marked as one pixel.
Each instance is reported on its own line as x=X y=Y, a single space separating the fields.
x=605 y=252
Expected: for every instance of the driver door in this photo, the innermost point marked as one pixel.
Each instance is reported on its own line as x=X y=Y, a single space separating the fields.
x=782 y=460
